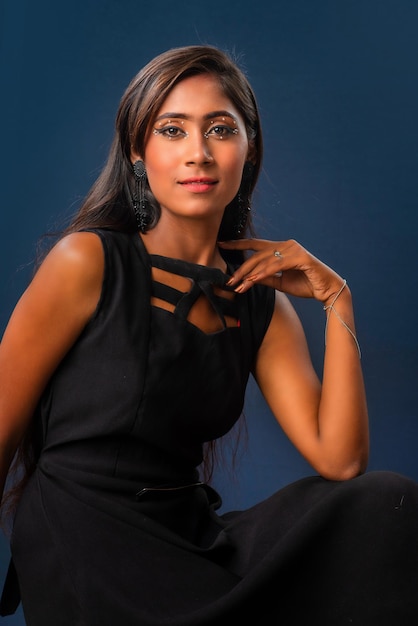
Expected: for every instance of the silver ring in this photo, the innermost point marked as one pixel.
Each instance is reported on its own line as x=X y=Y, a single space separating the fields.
x=278 y=254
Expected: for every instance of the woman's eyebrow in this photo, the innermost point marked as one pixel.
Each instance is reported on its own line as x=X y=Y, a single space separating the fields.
x=220 y=114
x=184 y=116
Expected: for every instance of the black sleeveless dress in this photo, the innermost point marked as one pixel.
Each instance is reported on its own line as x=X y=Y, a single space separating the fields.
x=116 y=526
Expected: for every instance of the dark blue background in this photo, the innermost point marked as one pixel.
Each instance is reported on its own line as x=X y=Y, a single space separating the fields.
x=338 y=92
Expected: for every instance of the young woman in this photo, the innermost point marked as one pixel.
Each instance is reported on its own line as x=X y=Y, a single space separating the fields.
x=128 y=356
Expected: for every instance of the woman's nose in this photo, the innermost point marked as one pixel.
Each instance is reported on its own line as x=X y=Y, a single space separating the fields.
x=198 y=148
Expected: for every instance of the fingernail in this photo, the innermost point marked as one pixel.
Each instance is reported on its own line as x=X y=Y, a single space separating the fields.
x=240 y=287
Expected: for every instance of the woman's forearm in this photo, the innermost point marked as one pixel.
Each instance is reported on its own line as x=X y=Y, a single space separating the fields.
x=343 y=415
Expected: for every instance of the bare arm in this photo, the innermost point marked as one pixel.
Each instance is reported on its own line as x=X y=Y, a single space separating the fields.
x=47 y=320
x=328 y=422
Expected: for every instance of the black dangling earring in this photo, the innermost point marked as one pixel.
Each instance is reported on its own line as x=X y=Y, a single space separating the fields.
x=243 y=211
x=141 y=214
x=243 y=198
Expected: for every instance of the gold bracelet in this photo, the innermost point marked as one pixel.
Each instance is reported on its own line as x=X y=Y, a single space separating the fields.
x=330 y=307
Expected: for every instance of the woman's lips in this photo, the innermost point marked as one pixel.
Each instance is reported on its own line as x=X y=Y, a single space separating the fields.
x=198 y=185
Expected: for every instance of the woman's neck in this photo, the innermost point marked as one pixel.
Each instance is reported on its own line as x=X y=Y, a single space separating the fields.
x=193 y=242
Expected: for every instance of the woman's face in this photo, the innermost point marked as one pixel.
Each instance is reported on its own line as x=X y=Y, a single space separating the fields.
x=196 y=150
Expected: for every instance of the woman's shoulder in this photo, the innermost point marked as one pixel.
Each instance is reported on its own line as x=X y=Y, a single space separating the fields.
x=72 y=270
x=118 y=242
x=257 y=307
x=78 y=252
x=92 y=248
x=78 y=247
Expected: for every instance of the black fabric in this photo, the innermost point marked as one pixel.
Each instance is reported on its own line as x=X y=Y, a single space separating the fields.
x=10 y=597
x=115 y=528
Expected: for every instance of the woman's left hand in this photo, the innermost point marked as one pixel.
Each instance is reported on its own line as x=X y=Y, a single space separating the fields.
x=285 y=265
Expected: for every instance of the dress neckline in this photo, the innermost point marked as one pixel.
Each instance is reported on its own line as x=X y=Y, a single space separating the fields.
x=190 y=270
x=187 y=268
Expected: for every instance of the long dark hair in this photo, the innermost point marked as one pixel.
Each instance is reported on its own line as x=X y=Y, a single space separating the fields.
x=109 y=202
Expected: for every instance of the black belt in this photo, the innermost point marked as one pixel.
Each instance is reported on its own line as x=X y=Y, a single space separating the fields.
x=167 y=488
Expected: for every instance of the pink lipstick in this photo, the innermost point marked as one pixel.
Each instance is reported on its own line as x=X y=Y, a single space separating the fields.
x=198 y=184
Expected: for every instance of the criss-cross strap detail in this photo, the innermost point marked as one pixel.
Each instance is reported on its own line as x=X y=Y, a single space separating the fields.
x=200 y=282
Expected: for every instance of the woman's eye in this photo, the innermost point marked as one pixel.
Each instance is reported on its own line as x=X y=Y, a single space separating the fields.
x=171 y=132
x=221 y=131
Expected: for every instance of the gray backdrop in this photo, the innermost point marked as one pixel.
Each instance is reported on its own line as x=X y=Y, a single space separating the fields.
x=337 y=87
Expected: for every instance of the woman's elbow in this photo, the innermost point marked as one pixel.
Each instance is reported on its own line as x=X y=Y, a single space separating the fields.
x=344 y=471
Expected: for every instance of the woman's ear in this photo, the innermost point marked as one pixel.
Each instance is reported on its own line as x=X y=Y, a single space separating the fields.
x=135 y=157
